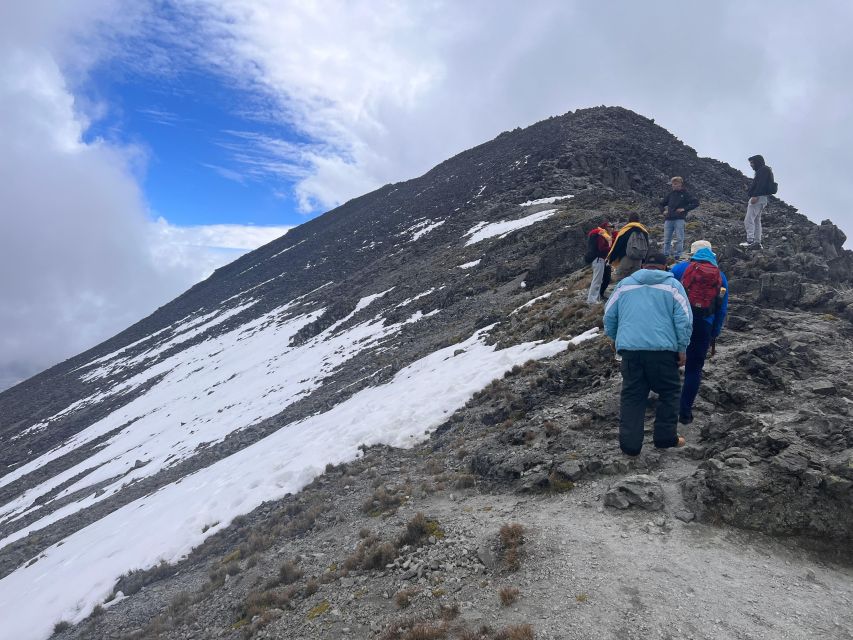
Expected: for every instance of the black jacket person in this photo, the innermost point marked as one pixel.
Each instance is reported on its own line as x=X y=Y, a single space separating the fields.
x=760 y=190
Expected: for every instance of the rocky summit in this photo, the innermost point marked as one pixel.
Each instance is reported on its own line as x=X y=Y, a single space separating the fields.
x=399 y=421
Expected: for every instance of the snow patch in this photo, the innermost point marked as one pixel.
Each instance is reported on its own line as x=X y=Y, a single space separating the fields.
x=470 y=265
x=484 y=230
x=550 y=200
x=534 y=301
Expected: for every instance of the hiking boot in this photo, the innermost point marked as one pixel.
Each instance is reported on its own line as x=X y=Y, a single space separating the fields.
x=685 y=418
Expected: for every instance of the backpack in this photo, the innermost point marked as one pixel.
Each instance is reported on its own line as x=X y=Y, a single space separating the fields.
x=702 y=282
x=637 y=246
x=774 y=187
x=591 y=248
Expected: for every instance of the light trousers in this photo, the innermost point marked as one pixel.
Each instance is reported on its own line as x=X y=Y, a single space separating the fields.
x=752 y=221
x=594 y=294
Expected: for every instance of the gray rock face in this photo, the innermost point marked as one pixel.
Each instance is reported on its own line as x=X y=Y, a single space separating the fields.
x=642 y=491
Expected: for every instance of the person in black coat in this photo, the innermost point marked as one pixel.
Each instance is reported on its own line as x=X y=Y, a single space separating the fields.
x=675 y=206
x=762 y=187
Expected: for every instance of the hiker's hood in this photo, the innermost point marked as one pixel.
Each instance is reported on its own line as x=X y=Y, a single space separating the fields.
x=758 y=160
x=651 y=276
x=705 y=255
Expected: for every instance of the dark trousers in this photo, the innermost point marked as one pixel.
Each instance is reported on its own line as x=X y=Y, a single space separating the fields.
x=700 y=340
x=644 y=371
x=605 y=281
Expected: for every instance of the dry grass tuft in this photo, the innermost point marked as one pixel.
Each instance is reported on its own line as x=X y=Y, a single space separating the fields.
x=511 y=538
x=508 y=595
x=515 y=632
x=404 y=598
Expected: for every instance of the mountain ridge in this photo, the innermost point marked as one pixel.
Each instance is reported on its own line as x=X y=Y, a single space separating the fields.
x=411 y=252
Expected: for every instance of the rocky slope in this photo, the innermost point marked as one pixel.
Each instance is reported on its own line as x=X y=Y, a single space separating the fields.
x=448 y=281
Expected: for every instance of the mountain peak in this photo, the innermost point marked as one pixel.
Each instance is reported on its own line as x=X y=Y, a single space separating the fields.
x=443 y=317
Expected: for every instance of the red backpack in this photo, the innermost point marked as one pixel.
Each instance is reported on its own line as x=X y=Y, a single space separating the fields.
x=702 y=281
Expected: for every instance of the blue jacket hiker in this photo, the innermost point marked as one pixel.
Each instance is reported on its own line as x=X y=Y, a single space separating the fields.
x=706 y=328
x=649 y=317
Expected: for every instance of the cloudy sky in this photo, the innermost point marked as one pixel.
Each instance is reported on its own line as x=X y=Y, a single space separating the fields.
x=145 y=143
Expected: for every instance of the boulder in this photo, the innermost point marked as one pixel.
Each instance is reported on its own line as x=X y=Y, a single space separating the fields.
x=641 y=491
x=784 y=288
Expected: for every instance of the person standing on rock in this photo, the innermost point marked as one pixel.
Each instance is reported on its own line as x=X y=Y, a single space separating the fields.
x=630 y=247
x=649 y=317
x=675 y=206
x=598 y=243
x=708 y=292
x=762 y=187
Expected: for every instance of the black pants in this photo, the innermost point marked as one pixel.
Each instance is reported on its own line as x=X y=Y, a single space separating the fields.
x=643 y=371
x=700 y=341
x=605 y=281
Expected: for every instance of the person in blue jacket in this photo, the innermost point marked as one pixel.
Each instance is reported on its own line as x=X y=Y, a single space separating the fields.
x=705 y=330
x=649 y=317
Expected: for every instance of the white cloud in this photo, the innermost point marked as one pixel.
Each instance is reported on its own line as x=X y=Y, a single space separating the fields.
x=196 y=251
x=388 y=89
x=80 y=258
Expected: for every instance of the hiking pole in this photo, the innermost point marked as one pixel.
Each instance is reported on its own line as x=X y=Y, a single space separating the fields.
x=713 y=348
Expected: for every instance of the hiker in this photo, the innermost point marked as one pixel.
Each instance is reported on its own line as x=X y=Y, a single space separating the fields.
x=762 y=187
x=630 y=247
x=708 y=293
x=675 y=206
x=597 y=247
x=650 y=319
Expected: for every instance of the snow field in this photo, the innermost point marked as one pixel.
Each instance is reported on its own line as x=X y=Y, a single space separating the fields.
x=73 y=576
x=207 y=391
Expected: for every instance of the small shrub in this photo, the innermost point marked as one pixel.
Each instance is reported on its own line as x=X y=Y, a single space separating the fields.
x=449 y=612
x=312 y=586
x=418 y=528
x=371 y=553
x=61 y=626
x=404 y=597
x=515 y=632
x=289 y=573
x=511 y=538
x=427 y=631
x=217 y=577
x=512 y=535
x=582 y=597
x=551 y=429
x=257 y=602
x=559 y=484
x=508 y=595
x=381 y=500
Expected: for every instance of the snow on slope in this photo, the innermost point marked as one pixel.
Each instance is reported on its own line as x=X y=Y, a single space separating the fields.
x=550 y=200
x=207 y=391
x=72 y=576
x=483 y=230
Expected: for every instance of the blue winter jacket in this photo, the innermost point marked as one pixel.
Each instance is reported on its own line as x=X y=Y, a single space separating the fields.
x=649 y=311
x=716 y=321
